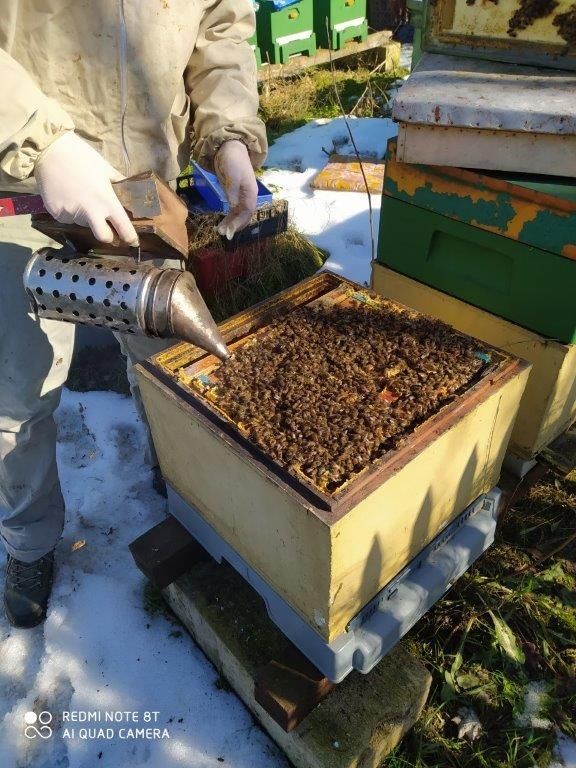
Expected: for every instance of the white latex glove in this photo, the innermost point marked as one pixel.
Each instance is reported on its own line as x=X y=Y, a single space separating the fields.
x=236 y=175
x=76 y=186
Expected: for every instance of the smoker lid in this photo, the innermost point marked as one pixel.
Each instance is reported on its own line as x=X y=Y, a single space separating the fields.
x=490 y=95
x=158 y=214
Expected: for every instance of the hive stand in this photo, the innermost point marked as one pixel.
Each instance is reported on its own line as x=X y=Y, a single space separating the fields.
x=318 y=725
x=378 y=48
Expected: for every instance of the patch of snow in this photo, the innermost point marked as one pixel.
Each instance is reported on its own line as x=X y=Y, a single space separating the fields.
x=469 y=725
x=566 y=751
x=336 y=221
x=534 y=697
x=99 y=650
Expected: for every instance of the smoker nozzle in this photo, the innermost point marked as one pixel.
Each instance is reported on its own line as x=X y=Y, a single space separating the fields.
x=123 y=296
x=176 y=309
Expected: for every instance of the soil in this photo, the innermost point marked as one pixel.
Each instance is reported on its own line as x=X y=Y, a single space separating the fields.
x=326 y=391
x=529 y=12
x=566 y=23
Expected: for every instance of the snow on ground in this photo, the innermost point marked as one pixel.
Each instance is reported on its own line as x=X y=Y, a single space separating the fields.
x=335 y=221
x=99 y=649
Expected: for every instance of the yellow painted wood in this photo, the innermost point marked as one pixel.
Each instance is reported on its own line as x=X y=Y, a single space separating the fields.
x=284 y=542
x=548 y=406
x=490 y=20
x=328 y=570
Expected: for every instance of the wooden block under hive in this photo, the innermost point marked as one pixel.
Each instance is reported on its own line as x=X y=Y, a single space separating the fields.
x=328 y=536
x=548 y=406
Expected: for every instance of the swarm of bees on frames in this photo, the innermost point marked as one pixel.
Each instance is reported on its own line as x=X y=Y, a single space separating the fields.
x=327 y=390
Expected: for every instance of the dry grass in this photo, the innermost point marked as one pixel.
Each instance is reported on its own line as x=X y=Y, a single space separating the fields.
x=283 y=261
x=288 y=104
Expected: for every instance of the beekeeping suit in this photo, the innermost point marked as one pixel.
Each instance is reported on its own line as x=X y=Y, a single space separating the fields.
x=91 y=91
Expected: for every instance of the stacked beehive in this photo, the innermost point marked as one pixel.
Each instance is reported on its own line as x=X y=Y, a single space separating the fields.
x=492 y=251
x=292 y=27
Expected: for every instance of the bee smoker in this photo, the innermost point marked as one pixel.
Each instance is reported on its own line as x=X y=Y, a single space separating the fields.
x=115 y=286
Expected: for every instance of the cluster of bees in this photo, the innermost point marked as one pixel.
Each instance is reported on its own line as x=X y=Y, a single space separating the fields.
x=327 y=390
x=566 y=23
x=529 y=12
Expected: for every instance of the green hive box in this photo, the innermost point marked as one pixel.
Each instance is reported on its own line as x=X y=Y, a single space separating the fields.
x=285 y=30
x=253 y=41
x=504 y=244
x=346 y=21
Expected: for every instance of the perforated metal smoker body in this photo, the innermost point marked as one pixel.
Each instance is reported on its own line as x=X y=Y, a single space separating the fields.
x=121 y=295
x=90 y=290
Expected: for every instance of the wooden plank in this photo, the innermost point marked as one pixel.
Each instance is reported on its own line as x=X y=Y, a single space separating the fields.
x=166 y=552
x=560 y=455
x=377 y=40
x=289 y=687
x=355 y=726
x=492 y=150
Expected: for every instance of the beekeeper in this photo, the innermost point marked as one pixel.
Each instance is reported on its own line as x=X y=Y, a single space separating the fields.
x=92 y=91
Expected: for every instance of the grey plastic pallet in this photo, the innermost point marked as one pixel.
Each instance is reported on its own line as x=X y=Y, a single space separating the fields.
x=386 y=618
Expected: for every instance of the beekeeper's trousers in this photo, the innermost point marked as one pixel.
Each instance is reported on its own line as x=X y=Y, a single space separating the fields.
x=35 y=357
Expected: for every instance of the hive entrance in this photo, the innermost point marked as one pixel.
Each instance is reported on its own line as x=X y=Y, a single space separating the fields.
x=328 y=389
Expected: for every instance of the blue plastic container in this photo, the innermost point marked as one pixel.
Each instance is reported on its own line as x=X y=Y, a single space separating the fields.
x=214 y=197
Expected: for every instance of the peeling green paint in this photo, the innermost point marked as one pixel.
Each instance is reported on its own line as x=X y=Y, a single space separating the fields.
x=553 y=230
x=496 y=214
x=528 y=286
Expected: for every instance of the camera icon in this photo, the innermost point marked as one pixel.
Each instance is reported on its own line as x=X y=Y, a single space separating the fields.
x=38 y=725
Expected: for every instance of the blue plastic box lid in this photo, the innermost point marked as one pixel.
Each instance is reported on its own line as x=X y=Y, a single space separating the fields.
x=279 y=4
x=208 y=186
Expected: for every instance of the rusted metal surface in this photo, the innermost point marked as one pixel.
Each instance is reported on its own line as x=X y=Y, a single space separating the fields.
x=176 y=367
x=540 y=32
x=465 y=93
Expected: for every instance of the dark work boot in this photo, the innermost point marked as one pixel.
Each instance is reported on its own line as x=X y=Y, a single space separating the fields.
x=28 y=587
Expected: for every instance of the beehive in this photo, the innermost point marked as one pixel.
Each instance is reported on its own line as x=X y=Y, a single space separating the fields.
x=285 y=29
x=338 y=21
x=503 y=243
x=488 y=114
x=548 y=406
x=540 y=33
x=327 y=553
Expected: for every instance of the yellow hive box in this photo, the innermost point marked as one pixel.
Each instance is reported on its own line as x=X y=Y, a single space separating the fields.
x=327 y=556
x=548 y=406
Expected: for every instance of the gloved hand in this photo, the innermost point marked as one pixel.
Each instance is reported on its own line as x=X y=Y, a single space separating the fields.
x=76 y=186
x=236 y=175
